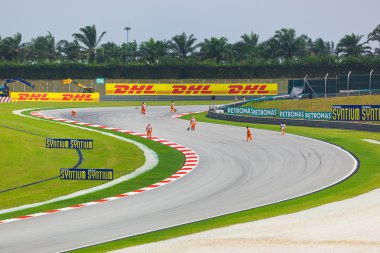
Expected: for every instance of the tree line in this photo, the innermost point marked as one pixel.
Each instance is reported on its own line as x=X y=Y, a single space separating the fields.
x=283 y=52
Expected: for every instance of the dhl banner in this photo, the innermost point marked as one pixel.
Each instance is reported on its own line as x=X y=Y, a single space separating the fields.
x=192 y=89
x=54 y=97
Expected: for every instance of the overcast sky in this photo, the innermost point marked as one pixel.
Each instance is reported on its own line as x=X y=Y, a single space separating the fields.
x=162 y=19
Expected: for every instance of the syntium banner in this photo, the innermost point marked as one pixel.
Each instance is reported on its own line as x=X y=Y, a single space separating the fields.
x=262 y=89
x=86 y=174
x=356 y=112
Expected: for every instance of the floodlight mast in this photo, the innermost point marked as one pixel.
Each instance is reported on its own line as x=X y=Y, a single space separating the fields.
x=127 y=28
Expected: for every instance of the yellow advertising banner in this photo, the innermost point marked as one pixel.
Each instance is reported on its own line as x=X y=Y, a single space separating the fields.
x=54 y=97
x=192 y=89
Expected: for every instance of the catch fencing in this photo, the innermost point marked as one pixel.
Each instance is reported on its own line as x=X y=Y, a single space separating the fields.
x=340 y=85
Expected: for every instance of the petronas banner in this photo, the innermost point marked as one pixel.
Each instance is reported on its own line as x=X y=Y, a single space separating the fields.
x=292 y=114
x=318 y=115
x=252 y=111
x=282 y=114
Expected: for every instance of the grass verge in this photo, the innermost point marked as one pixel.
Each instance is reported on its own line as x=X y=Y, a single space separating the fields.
x=25 y=160
x=365 y=180
x=170 y=160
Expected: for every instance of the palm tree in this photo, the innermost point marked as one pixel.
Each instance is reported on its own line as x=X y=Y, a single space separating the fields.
x=350 y=45
x=2 y=49
x=250 y=40
x=182 y=45
x=246 y=48
x=129 y=52
x=289 y=45
x=50 y=46
x=375 y=36
x=69 y=50
x=320 y=47
x=89 y=40
x=216 y=48
x=43 y=48
x=151 y=51
x=109 y=52
x=12 y=47
x=270 y=50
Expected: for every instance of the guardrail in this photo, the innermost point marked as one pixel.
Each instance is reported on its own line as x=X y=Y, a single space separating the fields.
x=295 y=122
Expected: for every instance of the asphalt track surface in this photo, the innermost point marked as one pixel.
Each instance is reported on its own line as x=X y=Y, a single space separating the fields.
x=232 y=175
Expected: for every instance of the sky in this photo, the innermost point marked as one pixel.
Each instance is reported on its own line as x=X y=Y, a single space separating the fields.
x=162 y=19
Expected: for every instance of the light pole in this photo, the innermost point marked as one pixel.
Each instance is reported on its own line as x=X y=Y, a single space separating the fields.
x=127 y=28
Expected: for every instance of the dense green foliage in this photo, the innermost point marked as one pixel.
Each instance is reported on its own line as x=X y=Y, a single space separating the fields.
x=285 y=54
x=313 y=67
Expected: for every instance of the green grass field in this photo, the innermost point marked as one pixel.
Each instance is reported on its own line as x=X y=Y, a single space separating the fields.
x=366 y=179
x=26 y=160
x=19 y=149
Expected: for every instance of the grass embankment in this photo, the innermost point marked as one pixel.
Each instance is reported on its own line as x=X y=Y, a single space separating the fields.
x=365 y=180
x=24 y=156
x=26 y=160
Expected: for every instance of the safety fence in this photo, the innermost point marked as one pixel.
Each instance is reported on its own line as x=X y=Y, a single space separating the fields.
x=340 y=85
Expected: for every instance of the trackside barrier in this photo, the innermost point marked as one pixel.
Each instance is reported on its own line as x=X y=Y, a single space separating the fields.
x=295 y=122
x=54 y=97
x=154 y=89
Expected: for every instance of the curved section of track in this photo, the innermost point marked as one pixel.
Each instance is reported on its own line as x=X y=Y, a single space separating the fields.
x=232 y=175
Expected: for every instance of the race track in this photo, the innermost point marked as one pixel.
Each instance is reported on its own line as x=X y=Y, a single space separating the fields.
x=232 y=175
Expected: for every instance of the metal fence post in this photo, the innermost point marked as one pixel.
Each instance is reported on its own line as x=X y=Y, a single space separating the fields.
x=326 y=84
x=348 y=83
x=304 y=85
x=370 y=82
